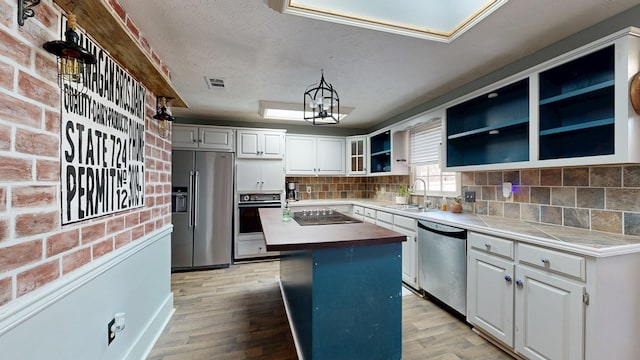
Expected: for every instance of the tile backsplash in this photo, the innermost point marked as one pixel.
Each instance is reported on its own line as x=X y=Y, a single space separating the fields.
x=602 y=198
x=343 y=187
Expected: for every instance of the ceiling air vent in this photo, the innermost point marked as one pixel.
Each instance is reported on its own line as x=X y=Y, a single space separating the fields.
x=214 y=83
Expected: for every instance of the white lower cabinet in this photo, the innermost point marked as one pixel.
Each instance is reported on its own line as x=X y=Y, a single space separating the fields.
x=370 y=215
x=490 y=295
x=357 y=212
x=533 y=309
x=250 y=248
x=407 y=227
x=549 y=316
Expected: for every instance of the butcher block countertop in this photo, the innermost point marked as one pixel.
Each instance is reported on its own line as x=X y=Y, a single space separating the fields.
x=288 y=235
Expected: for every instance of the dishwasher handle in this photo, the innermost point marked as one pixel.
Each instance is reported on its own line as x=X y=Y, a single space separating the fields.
x=444 y=230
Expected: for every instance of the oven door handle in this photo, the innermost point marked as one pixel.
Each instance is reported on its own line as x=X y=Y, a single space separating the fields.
x=259 y=205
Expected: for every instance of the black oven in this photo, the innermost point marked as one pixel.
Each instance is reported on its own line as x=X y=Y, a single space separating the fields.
x=248 y=216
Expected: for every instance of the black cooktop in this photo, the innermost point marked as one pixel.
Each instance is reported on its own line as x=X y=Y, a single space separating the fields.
x=312 y=217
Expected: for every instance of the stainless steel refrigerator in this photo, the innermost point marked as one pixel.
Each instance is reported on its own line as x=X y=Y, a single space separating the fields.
x=201 y=209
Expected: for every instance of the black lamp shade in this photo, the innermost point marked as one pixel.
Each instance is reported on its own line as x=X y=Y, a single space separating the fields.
x=69 y=48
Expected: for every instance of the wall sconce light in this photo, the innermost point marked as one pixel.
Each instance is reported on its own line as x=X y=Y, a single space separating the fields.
x=72 y=58
x=321 y=103
x=163 y=115
x=25 y=10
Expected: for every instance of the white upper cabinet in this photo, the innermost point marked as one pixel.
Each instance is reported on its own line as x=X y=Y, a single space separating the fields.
x=357 y=155
x=572 y=110
x=260 y=176
x=202 y=137
x=315 y=155
x=260 y=144
x=387 y=151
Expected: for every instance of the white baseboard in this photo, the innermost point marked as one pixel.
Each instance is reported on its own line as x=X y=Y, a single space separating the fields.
x=144 y=344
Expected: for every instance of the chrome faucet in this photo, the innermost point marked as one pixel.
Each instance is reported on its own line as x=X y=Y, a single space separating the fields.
x=424 y=191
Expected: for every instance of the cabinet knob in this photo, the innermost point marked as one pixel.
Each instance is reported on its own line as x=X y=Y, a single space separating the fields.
x=508 y=278
x=200 y=140
x=545 y=260
x=488 y=246
x=519 y=283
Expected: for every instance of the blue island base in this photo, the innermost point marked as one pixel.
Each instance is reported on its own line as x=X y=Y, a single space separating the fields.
x=345 y=303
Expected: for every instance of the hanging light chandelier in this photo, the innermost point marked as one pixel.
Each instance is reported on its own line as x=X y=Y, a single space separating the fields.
x=72 y=58
x=163 y=115
x=321 y=103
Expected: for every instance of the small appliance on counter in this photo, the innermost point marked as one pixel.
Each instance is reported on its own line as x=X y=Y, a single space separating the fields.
x=292 y=191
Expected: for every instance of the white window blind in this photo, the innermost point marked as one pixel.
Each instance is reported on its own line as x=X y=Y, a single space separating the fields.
x=424 y=142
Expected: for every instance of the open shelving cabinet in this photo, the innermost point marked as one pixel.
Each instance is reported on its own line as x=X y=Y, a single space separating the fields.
x=577 y=115
x=381 y=152
x=572 y=110
x=491 y=128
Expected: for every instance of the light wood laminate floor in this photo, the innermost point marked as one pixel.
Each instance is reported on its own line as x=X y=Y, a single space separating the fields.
x=237 y=313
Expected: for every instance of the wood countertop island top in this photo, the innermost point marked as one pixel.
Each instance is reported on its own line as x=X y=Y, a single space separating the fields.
x=289 y=235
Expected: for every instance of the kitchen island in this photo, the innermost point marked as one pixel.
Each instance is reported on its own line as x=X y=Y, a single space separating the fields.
x=341 y=285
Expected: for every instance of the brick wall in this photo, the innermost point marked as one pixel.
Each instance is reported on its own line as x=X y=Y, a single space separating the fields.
x=35 y=250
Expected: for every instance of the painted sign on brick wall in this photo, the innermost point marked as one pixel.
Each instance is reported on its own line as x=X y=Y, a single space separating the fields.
x=102 y=141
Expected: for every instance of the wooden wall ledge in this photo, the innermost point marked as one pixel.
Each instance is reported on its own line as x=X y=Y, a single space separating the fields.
x=104 y=25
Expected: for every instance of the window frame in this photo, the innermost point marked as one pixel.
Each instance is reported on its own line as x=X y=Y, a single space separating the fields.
x=414 y=191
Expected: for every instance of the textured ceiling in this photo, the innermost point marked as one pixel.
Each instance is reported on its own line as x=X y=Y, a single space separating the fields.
x=262 y=54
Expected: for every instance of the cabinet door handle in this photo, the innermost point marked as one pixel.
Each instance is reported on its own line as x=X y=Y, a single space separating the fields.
x=507 y=278
x=545 y=260
x=519 y=283
x=488 y=246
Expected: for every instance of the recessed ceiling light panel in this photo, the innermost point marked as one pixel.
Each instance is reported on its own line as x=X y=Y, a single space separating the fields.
x=433 y=20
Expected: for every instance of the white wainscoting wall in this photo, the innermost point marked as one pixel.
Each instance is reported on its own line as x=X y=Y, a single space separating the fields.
x=69 y=320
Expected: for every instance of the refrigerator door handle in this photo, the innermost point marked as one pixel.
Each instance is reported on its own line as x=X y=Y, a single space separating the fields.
x=190 y=196
x=195 y=194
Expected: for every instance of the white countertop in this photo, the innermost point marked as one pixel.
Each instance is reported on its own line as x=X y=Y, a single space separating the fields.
x=585 y=242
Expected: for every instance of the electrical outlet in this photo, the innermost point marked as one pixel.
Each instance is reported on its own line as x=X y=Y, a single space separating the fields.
x=469 y=196
x=111 y=331
x=308 y=189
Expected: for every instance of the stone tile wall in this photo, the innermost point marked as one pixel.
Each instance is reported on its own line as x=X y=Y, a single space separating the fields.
x=35 y=249
x=347 y=187
x=602 y=198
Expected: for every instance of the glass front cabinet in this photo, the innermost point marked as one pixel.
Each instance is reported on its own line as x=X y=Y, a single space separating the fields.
x=356 y=155
x=572 y=110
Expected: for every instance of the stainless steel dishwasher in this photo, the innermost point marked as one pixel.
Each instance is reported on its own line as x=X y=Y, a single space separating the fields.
x=443 y=264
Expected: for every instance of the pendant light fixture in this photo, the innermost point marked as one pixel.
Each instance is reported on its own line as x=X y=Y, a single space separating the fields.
x=72 y=58
x=163 y=115
x=321 y=103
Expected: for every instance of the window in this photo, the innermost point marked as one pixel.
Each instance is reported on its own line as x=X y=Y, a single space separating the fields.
x=424 y=160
